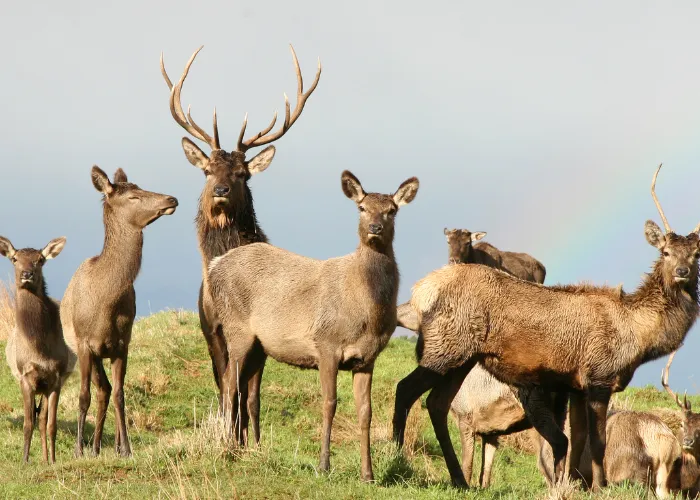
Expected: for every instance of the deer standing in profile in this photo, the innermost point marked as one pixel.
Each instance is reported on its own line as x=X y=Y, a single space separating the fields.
x=99 y=306
x=581 y=338
x=483 y=405
x=225 y=216
x=36 y=352
x=330 y=315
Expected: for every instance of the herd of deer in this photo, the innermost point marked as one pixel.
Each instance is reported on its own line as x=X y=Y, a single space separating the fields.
x=497 y=347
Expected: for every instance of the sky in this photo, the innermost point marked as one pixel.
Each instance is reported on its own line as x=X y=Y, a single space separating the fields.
x=540 y=123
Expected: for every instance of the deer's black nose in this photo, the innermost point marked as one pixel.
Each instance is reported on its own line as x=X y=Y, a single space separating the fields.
x=27 y=275
x=682 y=272
x=172 y=200
x=375 y=228
x=221 y=190
x=688 y=441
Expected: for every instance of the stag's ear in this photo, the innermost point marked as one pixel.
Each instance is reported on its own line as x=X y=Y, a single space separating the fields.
x=478 y=236
x=261 y=161
x=352 y=187
x=101 y=181
x=654 y=235
x=6 y=248
x=194 y=155
x=446 y=231
x=120 y=176
x=54 y=247
x=406 y=192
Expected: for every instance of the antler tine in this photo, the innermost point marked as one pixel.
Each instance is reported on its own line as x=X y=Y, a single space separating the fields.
x=290 y=117
x=656 y=201
x=187 y=122
x=664 y=380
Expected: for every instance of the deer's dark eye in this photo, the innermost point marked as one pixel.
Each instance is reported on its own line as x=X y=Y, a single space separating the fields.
x=391 y=212
x=362 y=209
x=666 y=254
x=134 y=198
x=697 y=255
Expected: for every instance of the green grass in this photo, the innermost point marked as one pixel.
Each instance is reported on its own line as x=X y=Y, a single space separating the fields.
x=170 y=399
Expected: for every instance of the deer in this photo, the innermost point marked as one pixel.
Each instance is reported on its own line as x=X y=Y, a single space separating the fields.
x=36 y=351
x=99 y=305
x=582 y=338
x=328 y=315
x=483 y=405
x=225 y=216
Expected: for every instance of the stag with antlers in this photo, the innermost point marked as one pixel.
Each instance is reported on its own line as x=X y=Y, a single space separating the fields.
x=226 y=218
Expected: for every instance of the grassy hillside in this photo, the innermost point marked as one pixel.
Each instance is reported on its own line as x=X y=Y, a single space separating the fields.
x=178 y=453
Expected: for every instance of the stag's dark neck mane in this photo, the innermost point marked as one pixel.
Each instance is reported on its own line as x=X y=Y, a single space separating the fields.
x=232 y=228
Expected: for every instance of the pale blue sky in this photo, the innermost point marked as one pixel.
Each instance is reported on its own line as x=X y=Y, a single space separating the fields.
x=539 y=122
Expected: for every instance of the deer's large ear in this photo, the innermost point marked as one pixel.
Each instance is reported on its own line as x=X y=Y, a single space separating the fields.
x=655 y=236
x=120 y=176
x=352 y=187
x=445 y=231
x=194 y=155
x=697 y=230
x=101 y=181
x=6 y=248
x=477 y=236
x=53 y=248
x=407 y=191
x=261 y=161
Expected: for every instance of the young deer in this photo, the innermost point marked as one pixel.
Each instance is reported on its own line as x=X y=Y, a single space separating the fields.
x=330 y=315
x=36 y=351
x=99 y=306
x=582 y=338
x=226 y=217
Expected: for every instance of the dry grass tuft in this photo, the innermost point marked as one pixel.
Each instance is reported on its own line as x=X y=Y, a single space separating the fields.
x=7 y=310
x=566 y=489
x=150 y=421
x=523 y=441
x=154 y=382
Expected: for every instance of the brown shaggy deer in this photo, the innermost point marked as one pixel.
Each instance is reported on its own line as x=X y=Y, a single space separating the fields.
x=463 y=250
x=36 y=352
x=483 y=405
x=583 y=338
x=225 y=216
x=330 y=315
x=99 y=306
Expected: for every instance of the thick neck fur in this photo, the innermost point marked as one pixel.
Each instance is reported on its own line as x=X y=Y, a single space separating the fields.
x=380 y=272
x=36 y=314
x=664 y=313
x=227 y=229
x=122 y=251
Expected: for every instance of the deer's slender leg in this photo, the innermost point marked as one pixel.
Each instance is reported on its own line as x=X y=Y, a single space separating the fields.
x=28 y=395
x=328 y=371
x=538 y=407
x=598 y=400
x=254 y=400
x=489 y=445
x=104 y=391
x=466 y=435
x=408 y=390
x=240 y=367
x=438 y=403
x=52 y=405
x=362 y=390
x=43 y=414
x=85 y=362
x=213 y=334
x=122 y=446
x=578 y=421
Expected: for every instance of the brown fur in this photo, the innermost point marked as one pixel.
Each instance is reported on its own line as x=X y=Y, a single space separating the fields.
x=99 y=306
x=555 y=338
x=36 y=352
x=327 y=315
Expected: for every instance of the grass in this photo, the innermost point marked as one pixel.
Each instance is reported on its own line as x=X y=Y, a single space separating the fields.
x=179 y=453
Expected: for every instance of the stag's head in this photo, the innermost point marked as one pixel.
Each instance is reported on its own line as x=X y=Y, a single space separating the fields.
x=227 y=174
x=679 y=254
x=127 y=204
x=459 y=243
x=29 y=263
x=690 y=422
x=377 y=211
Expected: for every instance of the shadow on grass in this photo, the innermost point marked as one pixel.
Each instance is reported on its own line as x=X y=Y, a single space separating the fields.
x=398 y=471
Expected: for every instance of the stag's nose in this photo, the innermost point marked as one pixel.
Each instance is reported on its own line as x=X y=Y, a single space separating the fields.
x=375 y=228
x=688 y=442
x=172 y=201
x=221 y=190
x=27 y=275
x=682 y=272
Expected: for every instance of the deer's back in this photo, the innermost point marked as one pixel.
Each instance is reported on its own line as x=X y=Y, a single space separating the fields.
x=519 y=264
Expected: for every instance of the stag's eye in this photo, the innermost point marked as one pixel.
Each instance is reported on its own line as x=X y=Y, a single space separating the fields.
x=362 y=209
x=391 y=212
x=134 y=198
x=666 y=254
x=697 y=255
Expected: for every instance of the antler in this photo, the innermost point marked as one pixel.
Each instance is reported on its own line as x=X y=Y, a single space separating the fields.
x=664 y=382
x=176 y=107
x=656 y=200
x=261 y=138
